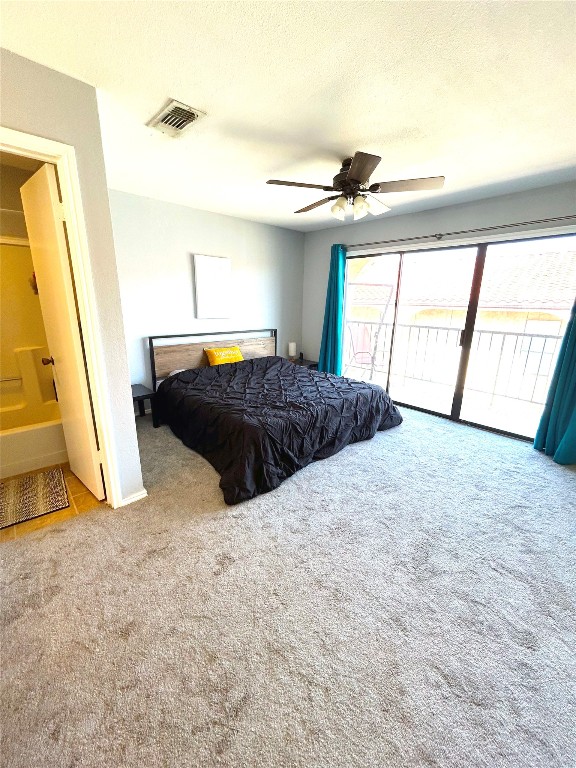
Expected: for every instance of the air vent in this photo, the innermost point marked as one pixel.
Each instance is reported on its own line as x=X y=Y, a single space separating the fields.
x=174 y=118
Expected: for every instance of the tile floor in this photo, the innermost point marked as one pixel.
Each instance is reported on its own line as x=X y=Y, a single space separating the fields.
x=80 y=498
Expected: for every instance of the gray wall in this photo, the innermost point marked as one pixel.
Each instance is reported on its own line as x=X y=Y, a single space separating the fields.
x=547 y=202
x=45 y=103
x=154 y=246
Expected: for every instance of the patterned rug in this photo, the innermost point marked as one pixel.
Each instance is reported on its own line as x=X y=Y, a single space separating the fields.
x=31 y=496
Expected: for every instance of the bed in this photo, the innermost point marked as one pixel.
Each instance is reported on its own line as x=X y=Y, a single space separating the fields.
x=260 y=420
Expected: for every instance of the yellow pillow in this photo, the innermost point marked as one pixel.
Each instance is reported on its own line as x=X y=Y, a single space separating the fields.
x=221 y=355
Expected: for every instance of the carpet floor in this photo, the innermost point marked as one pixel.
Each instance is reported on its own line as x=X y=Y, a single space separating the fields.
x=409 y=602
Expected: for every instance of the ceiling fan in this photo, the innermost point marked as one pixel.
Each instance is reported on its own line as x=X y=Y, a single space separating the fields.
x=353 y=186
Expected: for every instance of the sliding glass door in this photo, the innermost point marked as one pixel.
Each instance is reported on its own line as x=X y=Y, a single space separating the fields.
x=432 y=305
x=472 y=333
x=524 y=304
x=404 y=317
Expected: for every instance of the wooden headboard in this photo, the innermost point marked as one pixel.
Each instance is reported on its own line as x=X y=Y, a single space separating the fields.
x=167 y=358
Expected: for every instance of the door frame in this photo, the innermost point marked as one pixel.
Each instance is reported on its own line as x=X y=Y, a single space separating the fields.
x=63 y=156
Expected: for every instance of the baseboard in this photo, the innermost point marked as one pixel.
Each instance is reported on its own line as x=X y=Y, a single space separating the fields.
x=132 y=498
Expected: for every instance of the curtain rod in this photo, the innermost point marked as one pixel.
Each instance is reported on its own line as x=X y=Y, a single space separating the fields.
x=440 y=236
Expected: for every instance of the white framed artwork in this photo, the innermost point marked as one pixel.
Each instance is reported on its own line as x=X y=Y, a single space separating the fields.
x=212 y=286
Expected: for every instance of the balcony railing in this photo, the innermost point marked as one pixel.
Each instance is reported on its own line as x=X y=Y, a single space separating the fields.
x=502 y=363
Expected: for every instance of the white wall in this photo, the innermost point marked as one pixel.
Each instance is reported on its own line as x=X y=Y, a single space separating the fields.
x=154 y=246
x=42 y=102
x=546 y=202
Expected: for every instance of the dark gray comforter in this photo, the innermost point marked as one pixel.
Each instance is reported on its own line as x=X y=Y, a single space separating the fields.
x=259 y=421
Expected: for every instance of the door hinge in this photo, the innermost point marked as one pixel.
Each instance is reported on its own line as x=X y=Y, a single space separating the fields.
x=61 y=212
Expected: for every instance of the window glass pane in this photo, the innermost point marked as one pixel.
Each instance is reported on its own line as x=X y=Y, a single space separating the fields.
x=527 y=292
x=433 y=302
x=370 y=298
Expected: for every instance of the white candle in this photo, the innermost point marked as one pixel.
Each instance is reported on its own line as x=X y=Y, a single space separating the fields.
x=291 y=349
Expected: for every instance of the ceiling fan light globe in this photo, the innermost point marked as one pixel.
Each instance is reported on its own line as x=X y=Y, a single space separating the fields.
x=338 y=212
x=360 y=204
x=359 y=214
x=339 y=208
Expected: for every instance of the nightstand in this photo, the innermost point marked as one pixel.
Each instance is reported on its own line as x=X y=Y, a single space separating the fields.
x=311 y=364
x=140 y=393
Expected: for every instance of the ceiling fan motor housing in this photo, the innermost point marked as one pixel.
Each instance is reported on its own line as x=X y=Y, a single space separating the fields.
x=341 y=182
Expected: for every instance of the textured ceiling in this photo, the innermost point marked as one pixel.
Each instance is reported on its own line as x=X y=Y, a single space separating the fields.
x=482 y=93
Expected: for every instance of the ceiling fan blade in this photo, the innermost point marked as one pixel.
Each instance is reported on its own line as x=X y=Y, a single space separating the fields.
x=315 y=205
x=362 y=167
x=380 y=208
x=299 y=184
x=408 y=185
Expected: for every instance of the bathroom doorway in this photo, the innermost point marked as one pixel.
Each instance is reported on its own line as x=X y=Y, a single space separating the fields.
x=40 y=323
x=30 y=429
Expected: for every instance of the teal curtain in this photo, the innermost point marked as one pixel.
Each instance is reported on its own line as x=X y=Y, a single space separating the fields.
x=331 y=346
x=556 y=434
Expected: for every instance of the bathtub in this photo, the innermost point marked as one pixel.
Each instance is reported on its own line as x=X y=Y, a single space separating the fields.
x=25 y=449
x=31 y=435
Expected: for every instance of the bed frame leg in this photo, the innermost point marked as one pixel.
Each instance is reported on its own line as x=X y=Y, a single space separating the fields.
x=155 y=419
